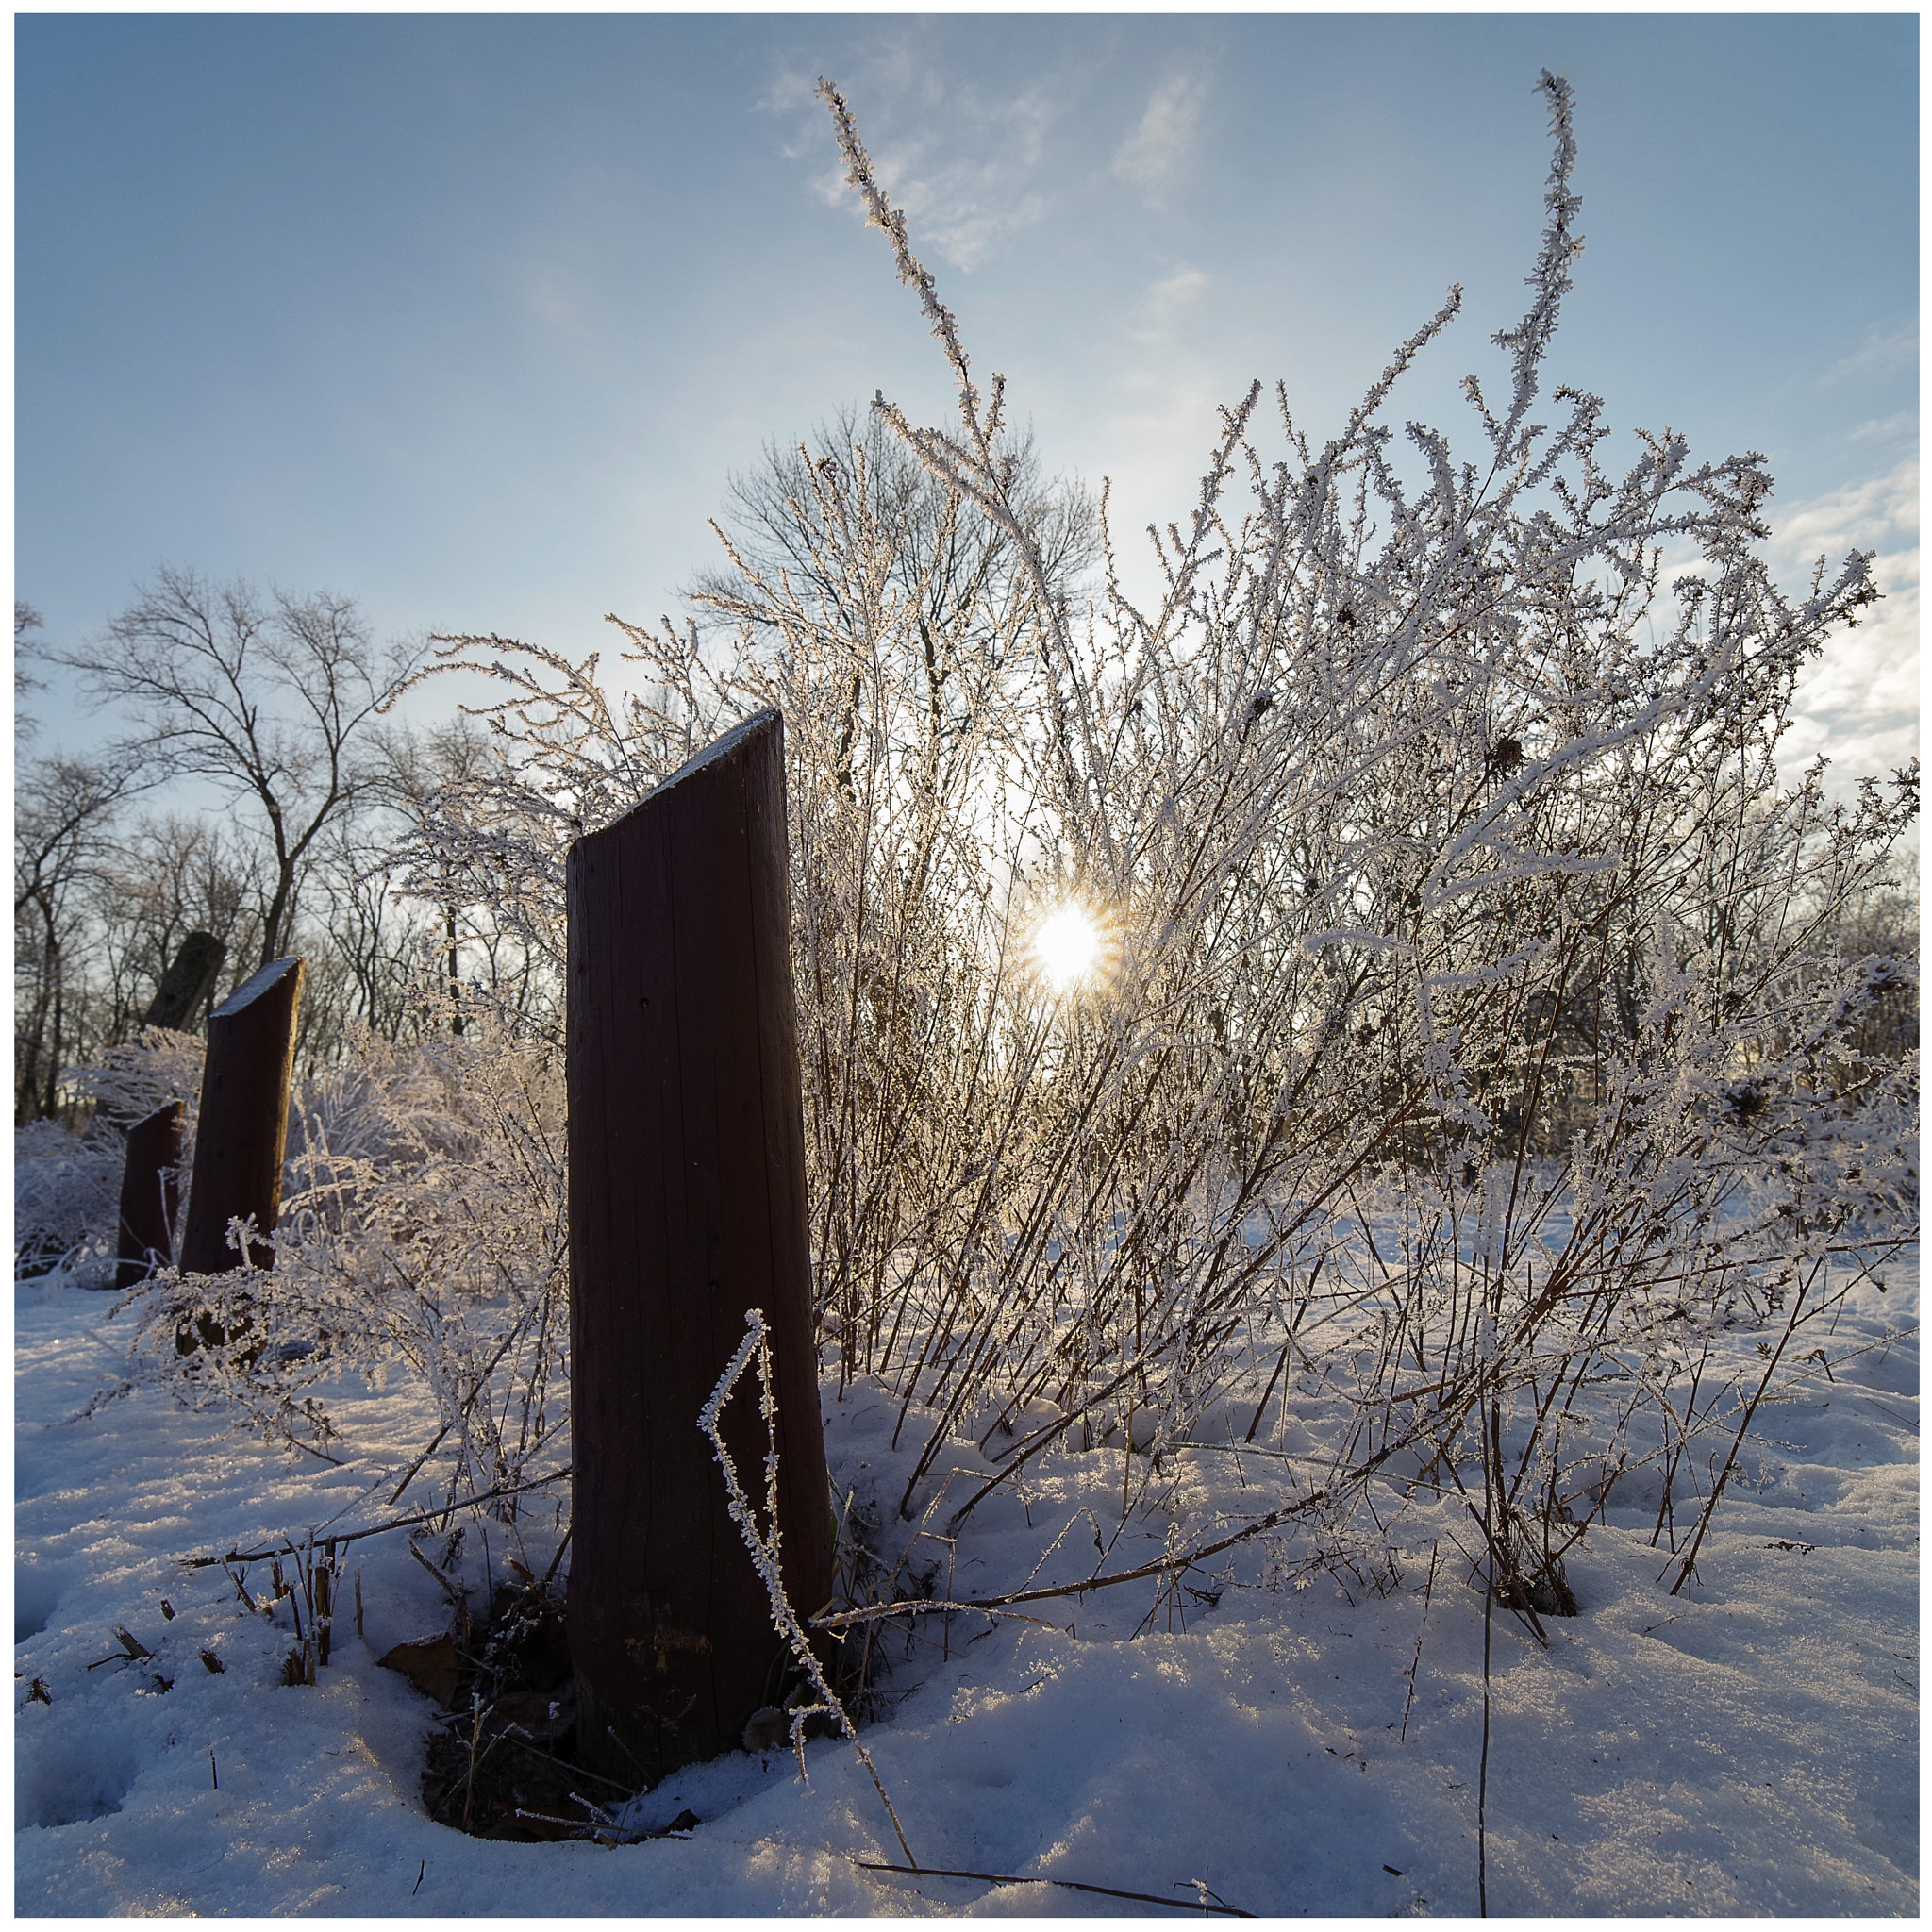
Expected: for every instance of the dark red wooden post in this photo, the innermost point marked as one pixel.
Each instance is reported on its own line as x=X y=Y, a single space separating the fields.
x=150 y=1195
x=686 y=1208
x=243 y=1120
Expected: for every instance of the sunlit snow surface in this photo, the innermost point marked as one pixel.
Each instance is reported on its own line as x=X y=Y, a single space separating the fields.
x=1747 y=1747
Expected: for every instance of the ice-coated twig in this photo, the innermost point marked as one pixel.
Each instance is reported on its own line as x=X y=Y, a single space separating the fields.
x=763 y=1546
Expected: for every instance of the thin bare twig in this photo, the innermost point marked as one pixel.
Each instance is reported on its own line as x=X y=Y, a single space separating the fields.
x=383 y=1528
x=1151 y=1898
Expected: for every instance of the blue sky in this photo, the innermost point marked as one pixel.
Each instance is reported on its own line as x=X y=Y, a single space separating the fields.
x=472 y=316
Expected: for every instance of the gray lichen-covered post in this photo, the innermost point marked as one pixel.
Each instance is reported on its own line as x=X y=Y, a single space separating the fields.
x=150 y=1195
x=243 y=1123
x=686 y=1208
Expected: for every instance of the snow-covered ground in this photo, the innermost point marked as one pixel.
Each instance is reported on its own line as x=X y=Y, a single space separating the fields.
x=1747 y=1747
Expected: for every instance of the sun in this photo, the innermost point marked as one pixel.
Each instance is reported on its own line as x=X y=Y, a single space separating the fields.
x=1067 y=945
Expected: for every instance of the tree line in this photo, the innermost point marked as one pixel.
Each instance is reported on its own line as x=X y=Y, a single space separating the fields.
x=265 y=795
x=261 y=794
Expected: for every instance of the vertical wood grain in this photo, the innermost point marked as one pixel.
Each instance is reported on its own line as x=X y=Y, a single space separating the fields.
x=686 y=1208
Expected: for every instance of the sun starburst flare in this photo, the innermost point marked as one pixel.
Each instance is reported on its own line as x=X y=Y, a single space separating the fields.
x=1067 y=946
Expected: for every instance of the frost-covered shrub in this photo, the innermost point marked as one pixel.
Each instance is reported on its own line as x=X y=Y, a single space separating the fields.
x=67 y=1184
x=66 y=1196
x=134 y=1076
x=1473 y=1027
x=421 y=1232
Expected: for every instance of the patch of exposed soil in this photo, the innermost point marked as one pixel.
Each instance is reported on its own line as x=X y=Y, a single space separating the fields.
x=502 y=1761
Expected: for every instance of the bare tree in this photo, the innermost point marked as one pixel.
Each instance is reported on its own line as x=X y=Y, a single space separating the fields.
x=799 y=513
x=454 y=772
x=174 y=875
x=26 y=619
x=64 y=816
x=266 y=698
x=886 y=555
x=373 y=939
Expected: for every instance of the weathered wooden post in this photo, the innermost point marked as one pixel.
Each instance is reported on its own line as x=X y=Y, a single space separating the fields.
x=243 y=1120
x=686 y=1208
x=188 y=981
x=150 y=1195
x=151 y=1179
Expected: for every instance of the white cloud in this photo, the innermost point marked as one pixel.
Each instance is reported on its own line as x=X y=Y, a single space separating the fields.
x=1880 y=513
x=1156 y=154
x=1858 y=702
x=1150 y=443
x=552 y=299
x=1158 y=419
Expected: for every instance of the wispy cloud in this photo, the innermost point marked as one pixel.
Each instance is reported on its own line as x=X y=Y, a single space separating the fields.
x=552 y=299
x=1157 y=153
x=1157 y=420
x=967 y=168
x=962 y=206
x=1883 y=353
x=1163 y=313
x=792 y=92
x=1891 y=428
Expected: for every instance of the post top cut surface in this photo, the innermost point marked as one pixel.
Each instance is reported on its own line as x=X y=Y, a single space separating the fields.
x=746 y=733
x=255 y=985
x=722 y=747
x=719 y=748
